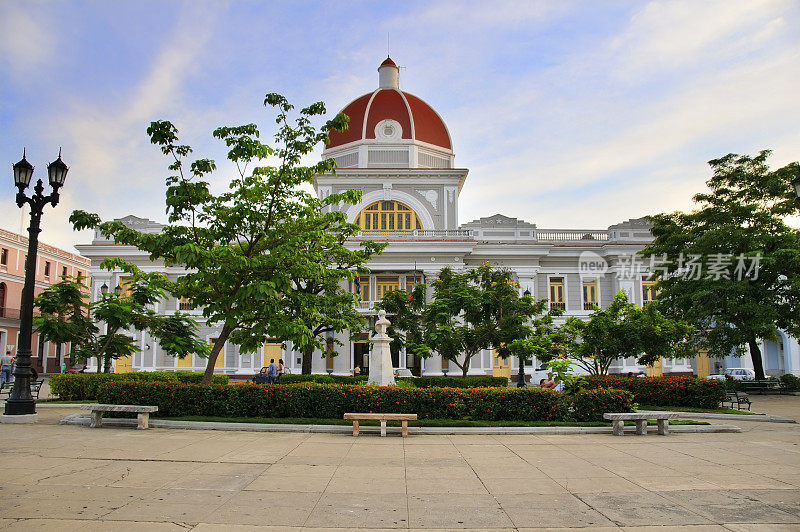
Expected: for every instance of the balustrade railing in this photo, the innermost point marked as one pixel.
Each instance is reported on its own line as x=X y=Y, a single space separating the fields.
x=570 y=235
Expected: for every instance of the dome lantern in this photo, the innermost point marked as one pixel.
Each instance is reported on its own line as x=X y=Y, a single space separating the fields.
x=388 y=75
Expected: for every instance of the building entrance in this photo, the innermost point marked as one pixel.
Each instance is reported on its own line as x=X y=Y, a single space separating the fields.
x=361 y=356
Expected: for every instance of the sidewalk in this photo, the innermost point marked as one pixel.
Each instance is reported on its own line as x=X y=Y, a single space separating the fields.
x=71 y=477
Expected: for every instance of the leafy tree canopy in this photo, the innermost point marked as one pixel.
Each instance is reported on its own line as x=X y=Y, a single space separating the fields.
x=470 y=311
x=243 y=249
x=67 y=317
x=731 y=268
x=623 y=330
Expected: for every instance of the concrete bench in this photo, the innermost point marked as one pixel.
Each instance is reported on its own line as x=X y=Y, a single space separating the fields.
x=618 y=421
x=383 y=418
x=143 y=413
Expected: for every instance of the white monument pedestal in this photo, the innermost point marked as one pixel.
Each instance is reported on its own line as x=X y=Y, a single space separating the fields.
x=381 y=371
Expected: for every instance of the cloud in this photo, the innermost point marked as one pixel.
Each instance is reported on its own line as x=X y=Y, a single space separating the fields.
x=26 y=38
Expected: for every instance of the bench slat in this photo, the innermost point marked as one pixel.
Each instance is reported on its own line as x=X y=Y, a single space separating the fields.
x=381 y=417
x=120 y=408
x=629 y=416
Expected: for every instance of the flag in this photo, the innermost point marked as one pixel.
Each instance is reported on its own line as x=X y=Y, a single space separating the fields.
x=357 y=283
x=415 y=273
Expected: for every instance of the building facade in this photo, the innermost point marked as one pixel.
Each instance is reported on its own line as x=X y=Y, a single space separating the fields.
x=52 y=264
x=399 y=153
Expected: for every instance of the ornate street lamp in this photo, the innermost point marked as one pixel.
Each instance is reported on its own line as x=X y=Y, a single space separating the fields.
x=521 y=372
x=20 y=406
x=796 y=186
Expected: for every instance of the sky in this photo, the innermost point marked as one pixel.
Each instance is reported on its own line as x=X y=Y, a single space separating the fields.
x=567 y=114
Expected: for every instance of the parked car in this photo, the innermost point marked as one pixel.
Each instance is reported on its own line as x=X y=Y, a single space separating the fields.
x=740 y=374
x=77 y=368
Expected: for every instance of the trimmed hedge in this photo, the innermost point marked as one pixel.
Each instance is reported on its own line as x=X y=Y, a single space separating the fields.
x=312 y=400
x=419 y=382
x=457 y=382
x=85 y=386
x=291 y=378
x=665 y=391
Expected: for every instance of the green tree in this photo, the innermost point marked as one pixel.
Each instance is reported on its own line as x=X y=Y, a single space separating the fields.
x=470 y=311
x=539 y=338
x=66 y=317
x=319 y=301
x=731 y=268
x=242 y=248
x=623 y=330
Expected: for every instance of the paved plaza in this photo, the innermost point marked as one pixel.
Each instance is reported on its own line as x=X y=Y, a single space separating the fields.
x=56 y=477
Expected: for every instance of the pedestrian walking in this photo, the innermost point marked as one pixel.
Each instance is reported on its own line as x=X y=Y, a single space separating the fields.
x=6 y=361
x=272 y=372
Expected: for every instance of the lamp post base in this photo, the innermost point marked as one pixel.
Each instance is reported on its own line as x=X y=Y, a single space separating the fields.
x=21 y=418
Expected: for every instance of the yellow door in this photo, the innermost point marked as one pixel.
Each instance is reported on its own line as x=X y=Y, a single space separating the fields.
x=272 y=350
x=501 y=367
x=703 y=364
x=186 y=362
x=123 y=365
x=656 y=369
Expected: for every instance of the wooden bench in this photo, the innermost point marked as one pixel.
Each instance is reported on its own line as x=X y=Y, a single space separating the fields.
x=6 y=387
x=618 y=421
x=143 y=413
x=737 y=398
x=383 y=418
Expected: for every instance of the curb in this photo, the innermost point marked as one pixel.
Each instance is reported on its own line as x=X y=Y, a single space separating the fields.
x=764 y=418
x=83 y=419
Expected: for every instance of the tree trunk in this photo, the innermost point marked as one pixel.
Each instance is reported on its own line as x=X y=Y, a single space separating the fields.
x=212 y=358
x=465 y=367
x=308 y=352
x=755 y=355
x=99 y=364
x=107 y=364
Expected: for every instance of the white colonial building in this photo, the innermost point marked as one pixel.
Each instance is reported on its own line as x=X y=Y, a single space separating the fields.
x=399 y=153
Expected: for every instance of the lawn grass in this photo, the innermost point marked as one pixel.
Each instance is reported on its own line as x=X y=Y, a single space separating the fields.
x=705 y=410
x=418 y=423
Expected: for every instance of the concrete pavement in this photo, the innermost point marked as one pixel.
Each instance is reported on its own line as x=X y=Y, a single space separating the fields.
x=73 y=478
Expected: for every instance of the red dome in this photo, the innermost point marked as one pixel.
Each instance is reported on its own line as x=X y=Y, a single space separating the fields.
x=416 y=118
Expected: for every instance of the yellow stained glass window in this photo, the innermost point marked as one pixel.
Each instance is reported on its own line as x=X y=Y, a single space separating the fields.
x=388 y=217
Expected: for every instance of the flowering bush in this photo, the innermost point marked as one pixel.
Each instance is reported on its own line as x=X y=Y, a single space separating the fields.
x=84 y=386
x=665 y=391
x=312 y=400
x=590 y=405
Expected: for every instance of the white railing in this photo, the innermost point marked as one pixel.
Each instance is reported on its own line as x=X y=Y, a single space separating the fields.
x=418 y=234
x=570 y=235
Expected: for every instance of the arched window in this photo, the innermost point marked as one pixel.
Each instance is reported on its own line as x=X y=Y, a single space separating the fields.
x=388 y=216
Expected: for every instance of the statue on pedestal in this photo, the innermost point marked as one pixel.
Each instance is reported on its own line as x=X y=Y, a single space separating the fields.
x=381 y=371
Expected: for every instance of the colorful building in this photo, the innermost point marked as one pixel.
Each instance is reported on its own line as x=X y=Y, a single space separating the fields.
x=399 y=153
x=52 y=264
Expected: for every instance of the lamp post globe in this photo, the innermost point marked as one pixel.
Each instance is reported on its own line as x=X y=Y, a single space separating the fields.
x=20 y=406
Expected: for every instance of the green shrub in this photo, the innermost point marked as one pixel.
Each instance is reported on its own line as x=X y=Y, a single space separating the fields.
x=85 y=386
x=590 y=405
x=456 y=382
x=419 y=382
x=324 y=379
x=791 y=382
x=665 y=391
x=312 y=400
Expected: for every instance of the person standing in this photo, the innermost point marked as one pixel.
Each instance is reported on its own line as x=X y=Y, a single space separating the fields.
x=272 y=372
x=6 y=361
x=281 y=370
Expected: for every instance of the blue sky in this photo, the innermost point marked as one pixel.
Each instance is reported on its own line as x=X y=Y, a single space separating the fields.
x=568 y=114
